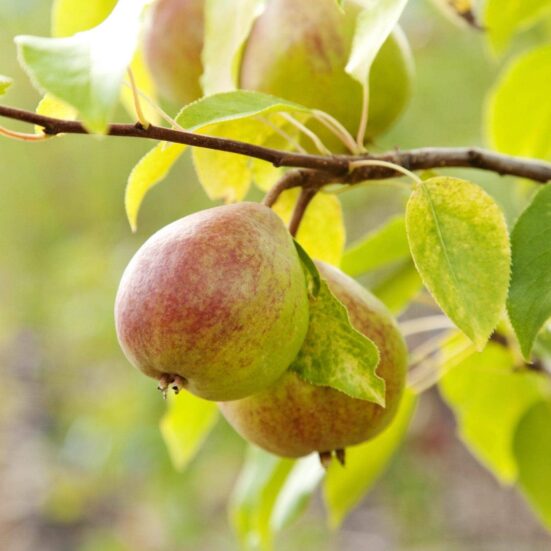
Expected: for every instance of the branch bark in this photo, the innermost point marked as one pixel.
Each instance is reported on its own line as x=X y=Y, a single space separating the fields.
x=321 y=170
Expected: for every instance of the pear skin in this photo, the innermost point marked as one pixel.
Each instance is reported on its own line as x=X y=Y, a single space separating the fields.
x=298 y=50
x=173 y=43
x=217 y=299
x=293 y=418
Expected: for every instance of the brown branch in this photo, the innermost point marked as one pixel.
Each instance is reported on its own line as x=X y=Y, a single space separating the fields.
x=322 y=169
x=306 y=195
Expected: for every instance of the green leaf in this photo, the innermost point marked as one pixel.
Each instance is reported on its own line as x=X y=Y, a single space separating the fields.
x=529 y=303
x=533 y=452
x=86 y=70
x=459 y=242
x=399 y=288
x=232 y=106
x=185 y=426
x=384 y=245
x=254 y=497
x=224 y=175
x=310 y=269
x=295 y=494
x=488 y=397
x=518 y=118
x=5 y=83
x=334 y=354
x=73 y=16
x=150 y=170
x=345 y=487
x=322 y=231
x=227 y=26
x=374 y=25
x=504 y=18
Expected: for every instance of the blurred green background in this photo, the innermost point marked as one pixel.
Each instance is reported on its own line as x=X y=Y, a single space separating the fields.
x=82 y=463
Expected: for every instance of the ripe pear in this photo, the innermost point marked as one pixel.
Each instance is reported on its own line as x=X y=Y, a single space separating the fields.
x=216 y=300
x=173 y=42
x=298 y=50
x=293 y=418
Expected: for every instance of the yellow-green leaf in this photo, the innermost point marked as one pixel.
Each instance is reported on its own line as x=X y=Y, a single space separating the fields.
x=460 y=245
x=345 y=487
x=321 y=232
x=86 y=69
x=488 y=397
x=504 y=18
x=237 y=115
x=185 y=426
x=518 y=118
x=73 y=16
x=384 y=245
x=533 y=452
x=227 y=26
x=5 y=83
x=399 y=288
x=150 y=170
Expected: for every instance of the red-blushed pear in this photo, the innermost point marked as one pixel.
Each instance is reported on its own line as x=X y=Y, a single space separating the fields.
x=215 y=302
x=173 y=44
x=293 y=418
x=298 y=50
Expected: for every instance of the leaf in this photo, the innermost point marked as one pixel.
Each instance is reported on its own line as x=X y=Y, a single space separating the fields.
x=532 y=447
x=185 y=426
x=212 y=114
x=343 y=488
x=310 y=270
x=399 y=288
x=296 y=492
x=374 y=25
x=270 y=494
x=504 y=18
x=334 y=354
x=150 y=170
x=225 y=175
x=321 y=232
x=518 y=117
x=529 y=302
x=384 y=245
x=73 y=16
x=227 y=26
x=86 y=70
x=459 y=242
x=5 y=83
x=254 y=497
x=232 y=106
x=488 y=397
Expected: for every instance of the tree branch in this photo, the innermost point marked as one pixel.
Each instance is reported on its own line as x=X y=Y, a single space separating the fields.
x=321 y=169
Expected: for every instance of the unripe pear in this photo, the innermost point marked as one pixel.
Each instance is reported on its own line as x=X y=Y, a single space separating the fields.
x=173 y=43
x=298 y=50
x=217 y=299
x=293 y=418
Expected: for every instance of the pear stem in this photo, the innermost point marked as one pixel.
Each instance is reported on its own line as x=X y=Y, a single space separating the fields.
x=304 y=199
x=137 y=104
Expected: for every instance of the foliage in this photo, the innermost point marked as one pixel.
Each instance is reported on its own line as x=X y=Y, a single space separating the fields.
x=450 y=244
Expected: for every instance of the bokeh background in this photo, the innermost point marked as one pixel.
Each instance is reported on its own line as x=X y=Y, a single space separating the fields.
x=82 y=463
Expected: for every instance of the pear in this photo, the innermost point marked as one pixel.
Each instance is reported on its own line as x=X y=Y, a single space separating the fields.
x=173 y=42
x=293 y=418
x=215 y=302
x=298 y=50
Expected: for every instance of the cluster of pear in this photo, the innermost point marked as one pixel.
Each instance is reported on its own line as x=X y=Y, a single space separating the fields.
x=296 y=50
x=218 y=303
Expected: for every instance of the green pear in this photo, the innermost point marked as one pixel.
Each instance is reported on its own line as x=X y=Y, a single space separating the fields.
x=293 y=418
x=298 y=50
x=216 y=302
x=173 y=42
